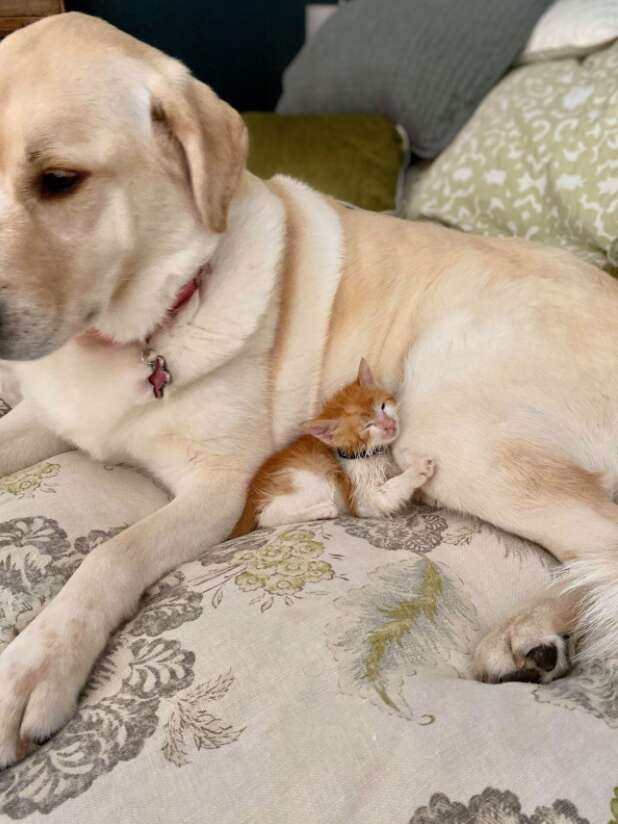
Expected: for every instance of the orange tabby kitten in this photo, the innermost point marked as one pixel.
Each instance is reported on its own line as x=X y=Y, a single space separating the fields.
x=342 y=465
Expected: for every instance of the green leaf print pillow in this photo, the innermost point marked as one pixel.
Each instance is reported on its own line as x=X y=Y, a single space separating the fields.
x=538 y=160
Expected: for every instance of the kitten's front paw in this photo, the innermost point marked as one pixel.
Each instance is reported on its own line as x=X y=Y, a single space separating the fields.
x=426 y=467
x=420 y=469
x=410 y=459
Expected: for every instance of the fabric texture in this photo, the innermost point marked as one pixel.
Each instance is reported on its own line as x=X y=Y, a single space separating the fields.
x=316 y=673
x=572 y=28
x=537 y=160
x=360 y=159
x=399 y=59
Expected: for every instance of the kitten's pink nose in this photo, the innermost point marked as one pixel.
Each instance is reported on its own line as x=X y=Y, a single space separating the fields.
x=387 y=423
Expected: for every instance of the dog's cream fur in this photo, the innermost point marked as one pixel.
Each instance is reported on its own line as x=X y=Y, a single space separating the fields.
x=508 y=351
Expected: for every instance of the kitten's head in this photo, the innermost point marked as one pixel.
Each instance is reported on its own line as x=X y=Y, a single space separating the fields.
x=360 y=417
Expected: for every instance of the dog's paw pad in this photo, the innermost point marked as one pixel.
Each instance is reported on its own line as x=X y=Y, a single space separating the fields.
x=544 y=657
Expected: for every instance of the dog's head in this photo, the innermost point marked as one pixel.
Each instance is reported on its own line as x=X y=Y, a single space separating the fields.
x=117 y=170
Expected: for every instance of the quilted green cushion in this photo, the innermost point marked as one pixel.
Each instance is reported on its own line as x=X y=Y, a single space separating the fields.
x=538 y=160
x=356 y=158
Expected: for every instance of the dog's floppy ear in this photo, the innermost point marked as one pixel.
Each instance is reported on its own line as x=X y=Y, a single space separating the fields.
x=213 y=137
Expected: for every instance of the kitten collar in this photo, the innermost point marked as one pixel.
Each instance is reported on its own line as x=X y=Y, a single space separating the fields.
x=364 y=453
x=159 y=376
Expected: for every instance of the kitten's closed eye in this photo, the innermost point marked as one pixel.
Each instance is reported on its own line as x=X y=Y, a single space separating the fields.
x=383 y=407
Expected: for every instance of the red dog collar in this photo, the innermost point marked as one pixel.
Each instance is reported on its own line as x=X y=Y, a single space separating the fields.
x=160 y=376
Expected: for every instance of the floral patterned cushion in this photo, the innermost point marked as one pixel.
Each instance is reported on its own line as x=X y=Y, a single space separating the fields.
x=315 y=674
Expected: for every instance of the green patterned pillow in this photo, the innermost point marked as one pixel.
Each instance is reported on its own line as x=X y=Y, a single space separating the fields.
x=538 y=160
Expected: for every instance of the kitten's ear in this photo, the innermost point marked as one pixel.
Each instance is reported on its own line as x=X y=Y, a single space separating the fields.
x=365 y=376
x=321 y=428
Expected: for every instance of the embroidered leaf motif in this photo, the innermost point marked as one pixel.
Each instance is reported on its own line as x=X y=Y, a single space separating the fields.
x=419 y=529
x=158 y=666
x=613 y=807
x=217 y=597
x=591 y=688
x=281 y=567
x=173 y=748
x=191 y=723
x=495 y=806
x=411 y=614
x=461 y=535
x=25 y=483
x=401 y=619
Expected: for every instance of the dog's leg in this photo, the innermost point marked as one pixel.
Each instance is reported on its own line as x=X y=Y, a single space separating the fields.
x=24 y=440
x=579 y=525
x=533 y=492
x=535 y=644
x=567 y=510
x=43 y=670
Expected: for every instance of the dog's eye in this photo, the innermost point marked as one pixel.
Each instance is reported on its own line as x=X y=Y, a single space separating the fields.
x=59 y=182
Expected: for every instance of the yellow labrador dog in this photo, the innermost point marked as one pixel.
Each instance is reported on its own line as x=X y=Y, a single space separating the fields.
x=165 y=307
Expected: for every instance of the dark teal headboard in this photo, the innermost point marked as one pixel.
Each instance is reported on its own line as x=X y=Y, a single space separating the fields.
x=239 y=47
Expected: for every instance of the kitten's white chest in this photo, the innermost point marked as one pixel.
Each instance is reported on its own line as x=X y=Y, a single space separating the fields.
x=368 y=474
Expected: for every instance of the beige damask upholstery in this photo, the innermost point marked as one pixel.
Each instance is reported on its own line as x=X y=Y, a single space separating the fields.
x=316 y=674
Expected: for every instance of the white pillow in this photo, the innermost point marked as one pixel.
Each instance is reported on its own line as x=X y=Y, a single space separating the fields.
x=572 y=28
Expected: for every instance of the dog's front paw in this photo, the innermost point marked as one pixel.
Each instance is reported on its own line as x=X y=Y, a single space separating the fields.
x=41 y=674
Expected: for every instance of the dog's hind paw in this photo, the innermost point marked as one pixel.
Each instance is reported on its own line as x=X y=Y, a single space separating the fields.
x=504 y=656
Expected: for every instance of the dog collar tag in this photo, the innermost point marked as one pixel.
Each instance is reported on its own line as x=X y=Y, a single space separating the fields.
x=159 y=376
